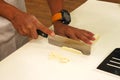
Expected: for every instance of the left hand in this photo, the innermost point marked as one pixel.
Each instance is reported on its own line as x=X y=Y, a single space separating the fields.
x=73 y=33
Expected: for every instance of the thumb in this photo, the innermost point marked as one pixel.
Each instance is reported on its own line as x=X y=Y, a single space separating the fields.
x=44 y=31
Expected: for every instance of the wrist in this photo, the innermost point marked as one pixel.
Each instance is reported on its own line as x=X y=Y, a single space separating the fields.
x=58 y=24
x=63 y=16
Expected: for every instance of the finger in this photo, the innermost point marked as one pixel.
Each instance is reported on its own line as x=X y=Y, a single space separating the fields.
x=44 y=29
x=72 y=36
x=90 y=36
x=20 y=30
x=47 y=31
x=34 y=33
x=88 y=33
x=84 y=39
x=38 y=30
x=26 y=31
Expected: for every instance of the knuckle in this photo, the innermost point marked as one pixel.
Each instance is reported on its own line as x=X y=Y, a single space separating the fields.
x=29 y=27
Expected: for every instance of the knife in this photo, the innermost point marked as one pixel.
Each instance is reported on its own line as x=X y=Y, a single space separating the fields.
x=64 y=41
x=39 y=32
x=76 y=44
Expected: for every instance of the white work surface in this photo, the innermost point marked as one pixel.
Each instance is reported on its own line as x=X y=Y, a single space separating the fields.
x=31 y=62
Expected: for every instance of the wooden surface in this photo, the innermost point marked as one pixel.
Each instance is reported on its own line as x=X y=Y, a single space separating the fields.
x=115 y=1
x=40 y=8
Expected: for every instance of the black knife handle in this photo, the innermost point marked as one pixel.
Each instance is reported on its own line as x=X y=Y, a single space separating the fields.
x=39 y=32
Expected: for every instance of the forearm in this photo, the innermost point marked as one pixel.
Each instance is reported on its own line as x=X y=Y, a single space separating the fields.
x=55 y=5
x=8 y=11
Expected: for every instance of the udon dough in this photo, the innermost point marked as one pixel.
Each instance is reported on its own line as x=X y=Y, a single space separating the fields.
x=58 y=57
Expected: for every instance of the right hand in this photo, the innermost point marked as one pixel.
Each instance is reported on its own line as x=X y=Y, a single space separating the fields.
x=27 y=25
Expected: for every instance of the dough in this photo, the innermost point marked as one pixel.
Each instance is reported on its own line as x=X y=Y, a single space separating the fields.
x=58 y=57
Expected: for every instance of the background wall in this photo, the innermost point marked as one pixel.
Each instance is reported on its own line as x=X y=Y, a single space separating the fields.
x=40 y=8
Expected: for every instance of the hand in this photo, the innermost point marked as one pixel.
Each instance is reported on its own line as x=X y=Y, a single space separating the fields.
x=27 y=25
x=73 y=33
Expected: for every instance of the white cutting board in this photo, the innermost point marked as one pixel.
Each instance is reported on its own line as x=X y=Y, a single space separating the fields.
x=31 y=62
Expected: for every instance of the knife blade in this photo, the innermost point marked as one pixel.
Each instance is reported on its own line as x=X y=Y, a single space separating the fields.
x=75 y=44
x=64 y=41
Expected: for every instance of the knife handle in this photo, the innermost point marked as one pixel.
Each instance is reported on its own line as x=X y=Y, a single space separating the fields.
x=39 y=32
